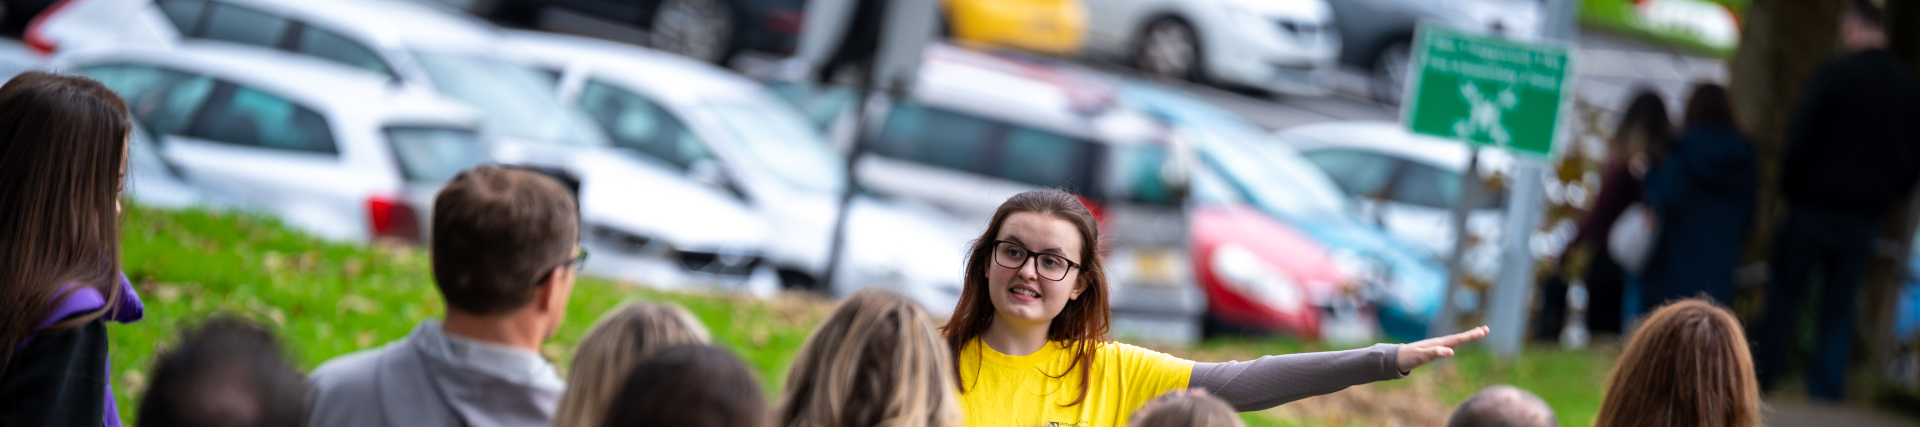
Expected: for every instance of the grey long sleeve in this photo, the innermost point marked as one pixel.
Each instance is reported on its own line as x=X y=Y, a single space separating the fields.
x=1274 y=380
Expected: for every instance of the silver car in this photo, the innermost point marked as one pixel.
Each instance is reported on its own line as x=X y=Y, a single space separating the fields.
x=660 y=229
x=720 y=128
x=341 y=155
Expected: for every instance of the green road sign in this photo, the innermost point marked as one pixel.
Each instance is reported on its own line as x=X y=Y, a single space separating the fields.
x=1488 y=91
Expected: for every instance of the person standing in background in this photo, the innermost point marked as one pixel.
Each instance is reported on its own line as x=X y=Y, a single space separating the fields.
x=63 y=151
x=1702 y=194
x=1643 y=128
x=1852 y=149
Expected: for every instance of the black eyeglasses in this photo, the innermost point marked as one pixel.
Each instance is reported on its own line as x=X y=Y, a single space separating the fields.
x=578 y=260
x=1012 y=255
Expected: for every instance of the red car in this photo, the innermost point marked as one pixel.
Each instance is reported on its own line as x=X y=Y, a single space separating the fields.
x=1260 y=274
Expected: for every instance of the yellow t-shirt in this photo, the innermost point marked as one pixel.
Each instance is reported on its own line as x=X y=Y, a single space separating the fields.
x=1010 y=391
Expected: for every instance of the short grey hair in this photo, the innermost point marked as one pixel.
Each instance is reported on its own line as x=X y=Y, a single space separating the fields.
x=1503 y=406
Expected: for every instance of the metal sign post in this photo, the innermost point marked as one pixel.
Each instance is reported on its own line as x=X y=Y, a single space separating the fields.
x=1490 y=92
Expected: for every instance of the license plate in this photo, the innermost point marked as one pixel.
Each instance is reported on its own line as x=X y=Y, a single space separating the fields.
x=1157 y=267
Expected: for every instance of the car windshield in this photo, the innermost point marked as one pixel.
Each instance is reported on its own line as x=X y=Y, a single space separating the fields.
x=434 y=155
x=1272 y=176
x=782 y=142
x=512 y=100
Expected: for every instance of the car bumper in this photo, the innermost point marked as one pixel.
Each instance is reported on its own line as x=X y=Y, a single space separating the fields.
x=1275 y=60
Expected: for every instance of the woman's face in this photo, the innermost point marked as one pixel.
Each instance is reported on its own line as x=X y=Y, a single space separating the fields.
x=1022 y=296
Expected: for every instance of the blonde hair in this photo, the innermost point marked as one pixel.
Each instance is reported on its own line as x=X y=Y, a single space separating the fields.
x=875 y=362
x=1182 y=408
x=1687 y=366
x=618 y=341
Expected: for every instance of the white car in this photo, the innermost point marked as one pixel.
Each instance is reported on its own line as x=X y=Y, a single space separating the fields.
x=1409 y=184
x=980 y=128
x=341 y=155
x=1277 y=45
x=660 y=228
x=723 y=129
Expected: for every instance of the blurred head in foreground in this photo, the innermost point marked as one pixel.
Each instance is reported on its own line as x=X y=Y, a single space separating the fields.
x=63 y=151
x=1688 y=365
x=1186 y=408
x=1503 y=406
x=875 y=362
x=618 y=342
x=690 y=385
x=1863 y=26
x=226 y=373
x=503 y=245
x=1709 y=105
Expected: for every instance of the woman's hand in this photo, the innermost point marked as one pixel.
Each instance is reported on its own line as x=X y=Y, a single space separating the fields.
x=1426 y=351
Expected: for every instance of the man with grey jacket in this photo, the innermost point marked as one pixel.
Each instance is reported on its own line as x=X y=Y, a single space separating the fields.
x=505 y=246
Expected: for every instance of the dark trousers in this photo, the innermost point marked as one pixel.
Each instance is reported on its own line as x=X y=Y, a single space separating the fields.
x=1835 y=245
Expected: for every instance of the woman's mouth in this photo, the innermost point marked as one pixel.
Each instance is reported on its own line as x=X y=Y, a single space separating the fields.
x=1026 y=293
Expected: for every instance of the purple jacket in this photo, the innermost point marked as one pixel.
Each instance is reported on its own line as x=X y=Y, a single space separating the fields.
x=127 y=310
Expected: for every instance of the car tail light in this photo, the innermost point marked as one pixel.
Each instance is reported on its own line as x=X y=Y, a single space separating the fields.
x=36 y=39
x=786 y=21
x=392 y=218
x=1094 y=207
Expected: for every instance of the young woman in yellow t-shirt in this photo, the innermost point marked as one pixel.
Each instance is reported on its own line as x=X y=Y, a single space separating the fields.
x=1030 y=346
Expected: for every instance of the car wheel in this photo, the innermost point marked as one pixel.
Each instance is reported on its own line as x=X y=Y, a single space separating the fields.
x=1389 y=80
x=698 y=29
x=1169 y=48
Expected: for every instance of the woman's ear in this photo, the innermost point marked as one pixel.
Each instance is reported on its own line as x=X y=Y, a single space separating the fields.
x=1079 y=285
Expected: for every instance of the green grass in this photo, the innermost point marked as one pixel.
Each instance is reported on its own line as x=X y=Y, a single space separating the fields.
x=1618 y=17
x=328 y=299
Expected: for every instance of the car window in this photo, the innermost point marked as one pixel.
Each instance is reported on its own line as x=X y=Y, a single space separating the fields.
x=1210 y=189
x=337 y=48
x=512 y=99
x=634 y=122
x=184 y=14
x=936 y=137
x=1138 y=174
x=226 y=22
x=1425 y=185
x=1359 y=174
x=433 y=155
x=162 y=100
x=247 y=116
x=1042 y=158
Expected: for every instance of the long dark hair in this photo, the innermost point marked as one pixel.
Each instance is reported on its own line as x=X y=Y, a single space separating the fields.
x=1646 y=115
x=62 y=146
x=1082 y=324
x=1709 y=105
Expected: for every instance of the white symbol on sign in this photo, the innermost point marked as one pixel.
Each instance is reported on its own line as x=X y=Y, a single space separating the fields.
x=1483 y=114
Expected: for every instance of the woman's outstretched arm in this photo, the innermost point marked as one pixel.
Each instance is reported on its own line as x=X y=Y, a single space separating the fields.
x=1274 y=380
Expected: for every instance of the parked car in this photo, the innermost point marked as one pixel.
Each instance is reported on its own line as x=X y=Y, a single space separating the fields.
x=1045 y=26
x=1259 y=273
x=418 y=47
x=1402 y=285
x=1280 y=45
x=979 y=129
x=717 y=127
x=338 y=154
x=1378 y=34
x=1409 y=184
x=708 y=30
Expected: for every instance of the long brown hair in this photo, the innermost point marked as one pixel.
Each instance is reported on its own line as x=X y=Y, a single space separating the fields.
x=875 y=362
x=615 y=344
x=1081 y=325
x=1687 y=366
x=62 y=144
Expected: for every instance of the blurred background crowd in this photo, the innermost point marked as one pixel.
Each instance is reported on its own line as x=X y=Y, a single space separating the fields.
x=1245 y=155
